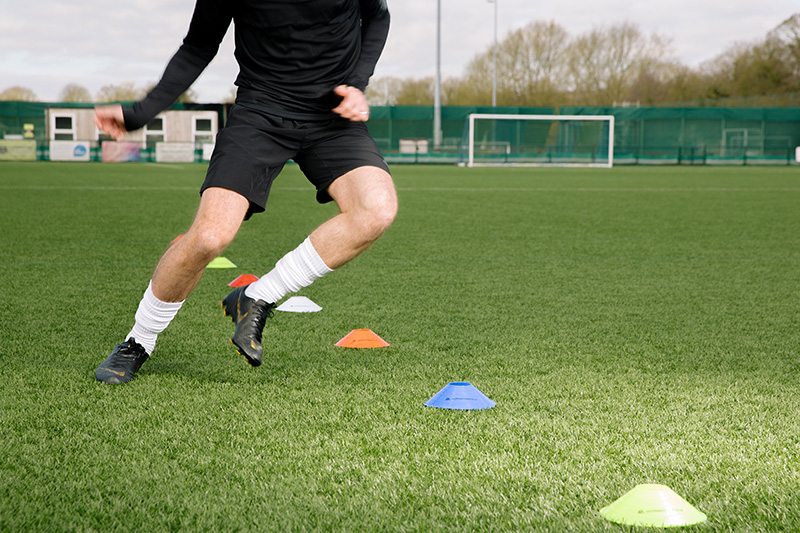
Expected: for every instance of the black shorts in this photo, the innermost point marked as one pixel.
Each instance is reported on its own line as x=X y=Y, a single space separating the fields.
x=253 y=147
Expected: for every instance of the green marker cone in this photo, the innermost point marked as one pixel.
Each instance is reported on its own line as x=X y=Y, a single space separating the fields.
x=220 y=262
x=652 y=506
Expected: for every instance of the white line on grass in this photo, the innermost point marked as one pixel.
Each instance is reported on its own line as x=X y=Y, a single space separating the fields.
x=417 y=189
x=90 y=188
x=163 y=165
x=601 y=189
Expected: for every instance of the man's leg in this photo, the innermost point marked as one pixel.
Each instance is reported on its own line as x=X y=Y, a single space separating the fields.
x=217 y=221
x=368 y=204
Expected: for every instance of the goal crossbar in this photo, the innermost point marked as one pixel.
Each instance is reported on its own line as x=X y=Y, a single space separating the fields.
x=490 y=116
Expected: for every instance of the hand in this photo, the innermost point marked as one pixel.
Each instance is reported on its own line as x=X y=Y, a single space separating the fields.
x=354 y=104
x=109 y=118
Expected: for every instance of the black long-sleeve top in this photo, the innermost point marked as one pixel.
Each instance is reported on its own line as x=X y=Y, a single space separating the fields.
x=291 y=54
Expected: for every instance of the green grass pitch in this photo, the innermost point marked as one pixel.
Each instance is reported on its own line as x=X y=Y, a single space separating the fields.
x=634 y=325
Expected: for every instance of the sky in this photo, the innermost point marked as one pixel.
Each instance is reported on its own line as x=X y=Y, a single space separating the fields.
x=47 y=44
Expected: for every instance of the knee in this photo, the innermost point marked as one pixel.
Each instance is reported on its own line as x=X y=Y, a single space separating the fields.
x=209 y=242
x=379 y=215
x=368 y=201
x=385 y=213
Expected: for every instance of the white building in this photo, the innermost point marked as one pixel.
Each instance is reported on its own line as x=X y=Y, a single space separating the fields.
x=173 y=136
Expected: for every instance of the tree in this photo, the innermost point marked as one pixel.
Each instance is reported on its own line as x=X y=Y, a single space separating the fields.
x=530 y=68
x=605 y=63
x=718 y=72
x=531 y=65
x=75 y=93
x=413 y=91
x=384 y=91
x=542 y=65
x=761 y=70
x=684 y=84
x=475 y=87
x=534 y=59
x=768 y=66
x=125 y=92
x=467 y=90
x=17 y=93
x=787 y=38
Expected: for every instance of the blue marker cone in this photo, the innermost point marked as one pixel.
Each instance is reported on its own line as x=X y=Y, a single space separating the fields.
x=460 y=395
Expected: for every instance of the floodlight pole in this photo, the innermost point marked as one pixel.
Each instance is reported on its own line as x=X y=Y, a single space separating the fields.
x=437 y=96
x=494 y=71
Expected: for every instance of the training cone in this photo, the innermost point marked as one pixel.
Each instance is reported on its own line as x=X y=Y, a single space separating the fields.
x=176 y=239
x=460 y=395
x=220 y=262
x=298 y=304
x=362 y=338
x=652 y=506
x=244 y=279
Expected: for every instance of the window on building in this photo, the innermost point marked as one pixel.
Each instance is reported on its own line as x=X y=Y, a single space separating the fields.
x=155 y=132
x=63 y=127
x=204 y=130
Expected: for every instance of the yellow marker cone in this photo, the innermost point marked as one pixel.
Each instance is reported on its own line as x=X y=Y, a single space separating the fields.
x=220 y=262
x=652 y=506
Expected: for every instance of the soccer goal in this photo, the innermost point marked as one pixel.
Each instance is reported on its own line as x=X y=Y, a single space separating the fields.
x=538 y=140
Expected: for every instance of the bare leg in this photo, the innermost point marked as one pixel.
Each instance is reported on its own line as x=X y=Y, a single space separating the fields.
x=218 y=219
x=368 y=203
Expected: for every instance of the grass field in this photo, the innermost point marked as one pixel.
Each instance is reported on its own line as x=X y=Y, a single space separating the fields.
x=634 y=325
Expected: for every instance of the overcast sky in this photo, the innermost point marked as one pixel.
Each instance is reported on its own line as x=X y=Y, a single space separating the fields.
x=47 y=44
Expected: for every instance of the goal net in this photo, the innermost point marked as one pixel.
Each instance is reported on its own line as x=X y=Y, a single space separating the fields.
x=538 y=140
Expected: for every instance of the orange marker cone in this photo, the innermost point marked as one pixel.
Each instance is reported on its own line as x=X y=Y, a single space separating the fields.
x=362 y=338
x=176 y=239
x=244 y=279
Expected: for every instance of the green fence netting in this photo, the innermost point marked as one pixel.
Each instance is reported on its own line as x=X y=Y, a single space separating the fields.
x=644 y=135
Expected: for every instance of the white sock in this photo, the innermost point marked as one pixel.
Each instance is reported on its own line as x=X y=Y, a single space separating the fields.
x=297 y=269
x=152 y=317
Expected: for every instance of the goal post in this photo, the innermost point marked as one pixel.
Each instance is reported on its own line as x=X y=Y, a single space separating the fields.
x=538 y=140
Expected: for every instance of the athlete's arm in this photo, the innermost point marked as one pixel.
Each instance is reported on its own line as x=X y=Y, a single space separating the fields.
x=108 y=118
x=354 y=104
x=374 y=30
x=210 y=22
